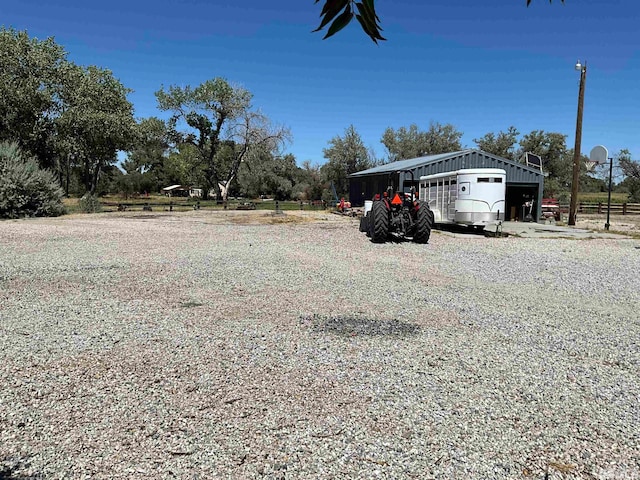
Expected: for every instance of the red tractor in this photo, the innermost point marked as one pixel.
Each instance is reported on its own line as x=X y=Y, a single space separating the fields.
x=398 y=215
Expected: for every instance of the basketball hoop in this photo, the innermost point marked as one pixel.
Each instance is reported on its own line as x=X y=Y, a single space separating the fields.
x=591 y=165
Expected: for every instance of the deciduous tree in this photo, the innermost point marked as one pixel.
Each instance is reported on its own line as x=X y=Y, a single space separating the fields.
x=411 y=142
x=30 y=76
x=629 y=167
x=631 y=170
x=69 y=117
x=556 y=159
x=503 y=144
x=96 y=120
x=310 y=183
x=146 y=160
x=213 y=115
x=345 y=155
x=265 y=174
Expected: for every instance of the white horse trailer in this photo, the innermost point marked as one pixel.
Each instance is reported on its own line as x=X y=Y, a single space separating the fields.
x=474 y=196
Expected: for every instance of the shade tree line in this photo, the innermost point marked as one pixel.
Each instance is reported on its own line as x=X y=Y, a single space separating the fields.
x=557 y=159
x=77 y=123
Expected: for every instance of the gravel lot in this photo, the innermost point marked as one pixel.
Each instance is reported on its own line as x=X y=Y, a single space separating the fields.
x=244 y=345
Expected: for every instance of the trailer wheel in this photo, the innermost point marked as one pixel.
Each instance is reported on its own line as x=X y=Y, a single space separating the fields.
x=379 y=222
x=424 y=224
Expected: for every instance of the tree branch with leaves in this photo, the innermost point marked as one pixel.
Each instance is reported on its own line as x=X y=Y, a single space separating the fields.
x=339 y=13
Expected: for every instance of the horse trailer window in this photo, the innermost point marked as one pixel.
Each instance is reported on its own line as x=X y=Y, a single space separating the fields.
x=498 y=179
x=483 y=180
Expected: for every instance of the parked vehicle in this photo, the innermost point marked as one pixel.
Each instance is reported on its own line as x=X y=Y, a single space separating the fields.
x=397 y=215
x=474 y=197
x=246 y=206
x=551 y=209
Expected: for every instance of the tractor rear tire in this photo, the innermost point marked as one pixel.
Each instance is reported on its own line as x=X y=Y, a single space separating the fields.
x=379 y=222
x=424 y=225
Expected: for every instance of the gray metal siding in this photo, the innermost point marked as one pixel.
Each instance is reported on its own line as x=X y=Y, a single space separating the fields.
x=368 y=182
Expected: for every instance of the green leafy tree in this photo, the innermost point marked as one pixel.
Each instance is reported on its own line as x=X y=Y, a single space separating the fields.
x=183 y=166
x=310 y=183
x=557 y=160
x=265 y=174
x=97 y=120
x=30 y=77
x=145 y=163
x=631 y=169
x=345 y=155
x=411 y=142
x=503 y=144
x=151 y=145
x=72 y=119
x=339 y=13
x=215 y=115
x=26 y=190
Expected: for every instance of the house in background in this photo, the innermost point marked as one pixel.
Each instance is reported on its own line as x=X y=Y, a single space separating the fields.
x=181 y=191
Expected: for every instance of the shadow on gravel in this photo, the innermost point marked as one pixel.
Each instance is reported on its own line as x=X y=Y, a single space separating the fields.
x=466 y=230
x=8 y=466
x=353 y=326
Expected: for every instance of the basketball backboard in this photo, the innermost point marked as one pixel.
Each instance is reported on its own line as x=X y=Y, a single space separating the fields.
x=599 y=154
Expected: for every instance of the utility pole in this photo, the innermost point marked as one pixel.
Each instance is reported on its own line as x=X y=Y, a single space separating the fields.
x=607 y=225
x=576 y=149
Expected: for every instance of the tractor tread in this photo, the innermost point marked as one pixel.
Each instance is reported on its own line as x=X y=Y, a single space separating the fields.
x=424 y=225
x=379 y=222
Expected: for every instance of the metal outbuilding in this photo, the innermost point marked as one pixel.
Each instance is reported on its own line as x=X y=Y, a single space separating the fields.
x=524 y=183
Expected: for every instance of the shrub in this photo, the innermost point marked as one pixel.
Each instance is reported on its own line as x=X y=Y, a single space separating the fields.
x=89 y=203
x=26 y=190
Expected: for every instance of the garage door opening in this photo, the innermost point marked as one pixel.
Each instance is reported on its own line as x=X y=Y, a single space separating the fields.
x=521 y=201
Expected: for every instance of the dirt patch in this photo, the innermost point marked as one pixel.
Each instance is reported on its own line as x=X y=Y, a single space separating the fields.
x=618 y=223
x=269 y=219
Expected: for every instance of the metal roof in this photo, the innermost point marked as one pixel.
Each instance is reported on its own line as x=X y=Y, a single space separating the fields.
x=413 y=163
x=406 y=164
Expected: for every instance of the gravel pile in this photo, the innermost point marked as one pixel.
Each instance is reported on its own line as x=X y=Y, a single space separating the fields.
x=210 y=345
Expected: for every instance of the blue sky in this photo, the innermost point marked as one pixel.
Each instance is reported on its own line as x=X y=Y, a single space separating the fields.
x=480 y=65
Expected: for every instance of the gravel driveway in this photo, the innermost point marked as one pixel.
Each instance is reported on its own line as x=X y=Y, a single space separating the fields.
x=205 y=345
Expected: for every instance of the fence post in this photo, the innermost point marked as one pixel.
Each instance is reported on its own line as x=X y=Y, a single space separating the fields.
x=624 y=208
x=599 y=207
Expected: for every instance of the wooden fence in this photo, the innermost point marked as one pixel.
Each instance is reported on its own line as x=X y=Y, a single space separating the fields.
x=149 y=206
x=601 y=207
